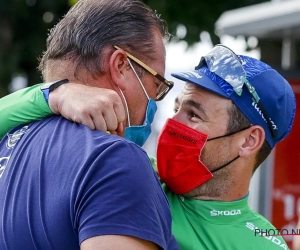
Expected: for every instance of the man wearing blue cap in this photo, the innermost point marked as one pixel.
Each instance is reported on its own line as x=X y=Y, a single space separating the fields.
x=231 y=113
x=234 y=110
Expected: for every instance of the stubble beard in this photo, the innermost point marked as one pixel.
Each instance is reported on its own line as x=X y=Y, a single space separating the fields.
x=220 y=184
x=214 y=189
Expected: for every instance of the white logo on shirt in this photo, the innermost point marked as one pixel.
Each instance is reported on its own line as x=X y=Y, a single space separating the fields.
x=225 y=212
x=261 y=233
x=3 y=164
x=13 y=138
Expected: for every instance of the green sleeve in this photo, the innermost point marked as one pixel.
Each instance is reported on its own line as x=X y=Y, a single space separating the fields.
x=23 y=106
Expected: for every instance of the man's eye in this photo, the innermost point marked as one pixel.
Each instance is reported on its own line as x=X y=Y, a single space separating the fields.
x=157 y=84
x=194 y=115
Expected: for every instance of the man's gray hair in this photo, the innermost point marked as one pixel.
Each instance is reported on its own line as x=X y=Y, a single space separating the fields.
x=92 y=25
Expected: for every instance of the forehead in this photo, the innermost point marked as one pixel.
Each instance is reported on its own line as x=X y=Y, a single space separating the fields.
x=207 y=101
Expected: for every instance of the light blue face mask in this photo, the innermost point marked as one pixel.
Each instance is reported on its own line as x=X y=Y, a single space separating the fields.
x=140 y=133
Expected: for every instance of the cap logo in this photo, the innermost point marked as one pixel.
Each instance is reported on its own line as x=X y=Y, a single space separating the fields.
x=261 y=114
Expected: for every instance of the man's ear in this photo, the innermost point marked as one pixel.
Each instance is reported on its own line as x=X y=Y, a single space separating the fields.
x=118 y=65
x=252 y=141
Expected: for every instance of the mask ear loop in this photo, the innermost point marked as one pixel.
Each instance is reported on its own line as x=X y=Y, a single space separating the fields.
x=232 y=133
x=138 y=79
x=126 y=107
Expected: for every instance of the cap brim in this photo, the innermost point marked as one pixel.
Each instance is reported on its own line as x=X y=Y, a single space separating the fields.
x=201 y=80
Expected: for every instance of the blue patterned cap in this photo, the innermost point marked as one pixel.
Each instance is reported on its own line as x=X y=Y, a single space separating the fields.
x=274 y=91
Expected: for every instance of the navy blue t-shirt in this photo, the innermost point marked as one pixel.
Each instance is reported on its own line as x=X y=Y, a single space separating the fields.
x=61 y=183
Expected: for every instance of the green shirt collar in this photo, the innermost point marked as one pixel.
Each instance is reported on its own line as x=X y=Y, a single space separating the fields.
x=215 y=211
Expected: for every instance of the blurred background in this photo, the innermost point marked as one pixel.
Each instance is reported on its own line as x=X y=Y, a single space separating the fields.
x=266 y=30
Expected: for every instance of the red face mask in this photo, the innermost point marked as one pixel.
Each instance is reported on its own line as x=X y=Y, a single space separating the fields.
x=178 y=157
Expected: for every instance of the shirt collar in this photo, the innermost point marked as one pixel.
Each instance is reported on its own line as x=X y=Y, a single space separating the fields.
x=216 y=211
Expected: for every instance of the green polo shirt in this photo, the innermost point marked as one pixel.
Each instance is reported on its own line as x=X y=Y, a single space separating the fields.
x=210 y=225
x=215 y=225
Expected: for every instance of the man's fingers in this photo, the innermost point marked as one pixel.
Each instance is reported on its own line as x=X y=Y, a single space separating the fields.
x=119 y=110
x=112 y=112
x=87 y=121
x=99 y=123
x=120 y=130
x=110 y=119
x=97 y=108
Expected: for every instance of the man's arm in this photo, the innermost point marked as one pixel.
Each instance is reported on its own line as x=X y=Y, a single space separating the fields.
x=97 y=108
x=22 y=106
x=120 y=242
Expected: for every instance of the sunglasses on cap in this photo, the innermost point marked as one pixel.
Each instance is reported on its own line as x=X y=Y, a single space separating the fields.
x=226 y=64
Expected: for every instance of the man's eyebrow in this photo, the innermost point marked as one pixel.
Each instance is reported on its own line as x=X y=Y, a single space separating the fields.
x=191 y=103
x=196 y=105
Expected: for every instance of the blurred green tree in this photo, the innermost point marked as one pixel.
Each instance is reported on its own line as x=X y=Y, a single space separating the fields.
x=195 y=15
x=24 y=25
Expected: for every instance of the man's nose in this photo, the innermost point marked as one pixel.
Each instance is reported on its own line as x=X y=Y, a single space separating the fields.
x=178 y=117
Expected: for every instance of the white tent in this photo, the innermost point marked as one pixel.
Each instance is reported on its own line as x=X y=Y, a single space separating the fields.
x=274 y=19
